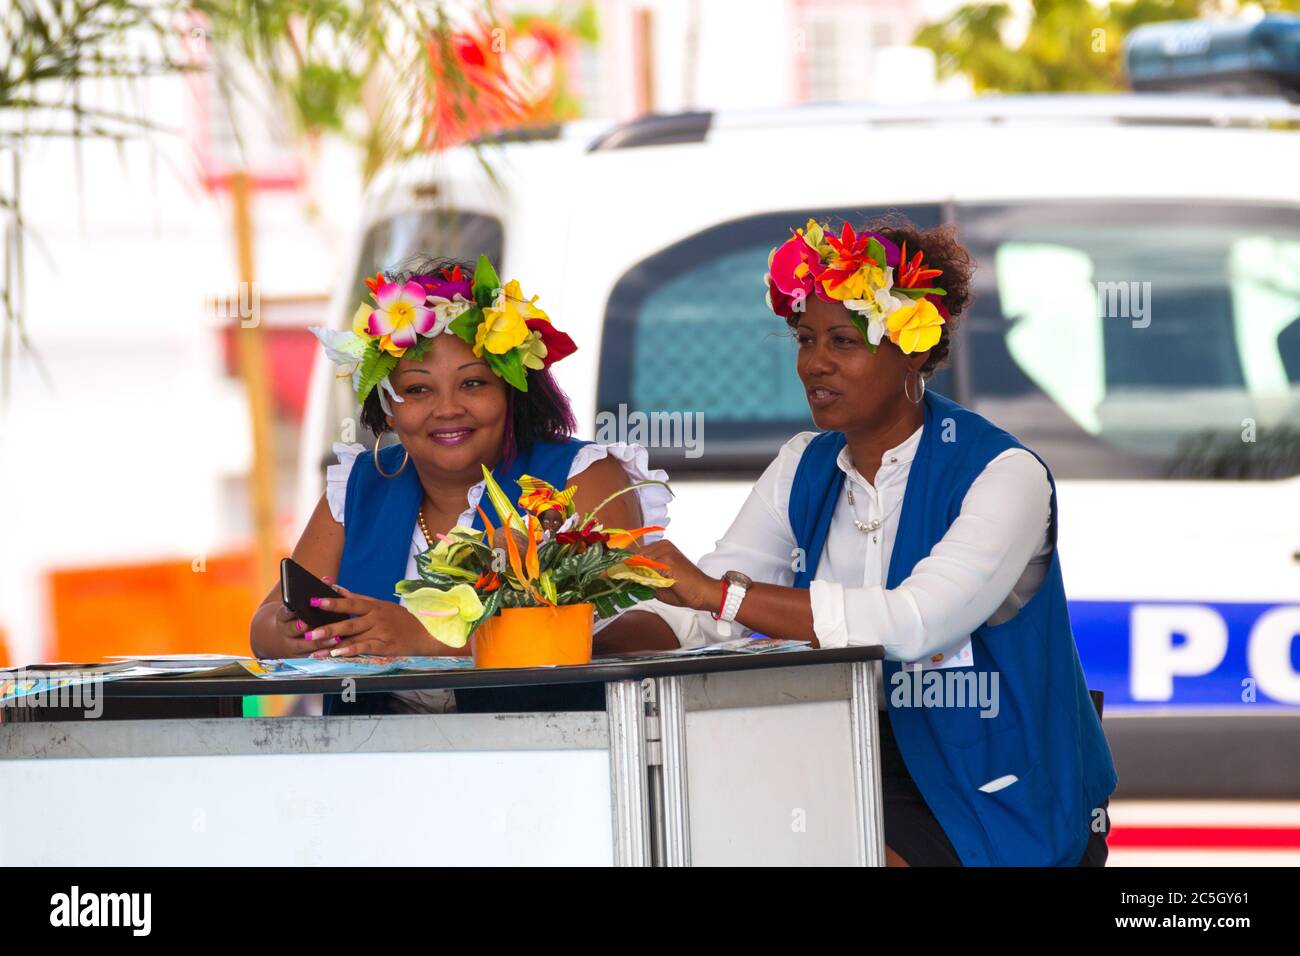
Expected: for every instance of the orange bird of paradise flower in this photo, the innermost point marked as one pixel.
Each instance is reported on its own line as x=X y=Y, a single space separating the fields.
x=641 y=561
x=619 y=538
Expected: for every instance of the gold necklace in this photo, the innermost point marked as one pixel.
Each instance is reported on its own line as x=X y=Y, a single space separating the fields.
x=424 y=529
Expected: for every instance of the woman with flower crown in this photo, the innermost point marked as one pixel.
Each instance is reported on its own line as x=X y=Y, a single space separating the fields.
x=457 y=366
x=915 y=524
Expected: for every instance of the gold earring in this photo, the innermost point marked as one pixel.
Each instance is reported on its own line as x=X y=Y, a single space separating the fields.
x=378 y=439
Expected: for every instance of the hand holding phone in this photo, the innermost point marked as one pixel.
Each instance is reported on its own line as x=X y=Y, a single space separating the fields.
x=298 y=586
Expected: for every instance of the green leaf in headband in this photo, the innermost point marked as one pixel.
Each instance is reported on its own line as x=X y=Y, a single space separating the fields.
x=375 y=365
x=421 y=347
x=486 y=282
x=465 y=325
x=509 y=366
x=861 y=325
x=877 y=251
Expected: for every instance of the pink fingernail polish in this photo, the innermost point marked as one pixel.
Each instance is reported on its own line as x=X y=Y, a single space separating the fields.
x=300 y=625
x=315 y=602
x=337 y=638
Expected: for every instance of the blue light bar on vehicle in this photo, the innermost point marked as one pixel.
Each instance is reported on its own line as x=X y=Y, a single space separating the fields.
x=1220 y=56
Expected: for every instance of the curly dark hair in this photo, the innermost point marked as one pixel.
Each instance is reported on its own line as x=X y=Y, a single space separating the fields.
x=542 y=413
x=943 y=251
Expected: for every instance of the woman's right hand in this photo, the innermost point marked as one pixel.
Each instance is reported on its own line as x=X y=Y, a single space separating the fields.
x=287 y=634
x=274 y=631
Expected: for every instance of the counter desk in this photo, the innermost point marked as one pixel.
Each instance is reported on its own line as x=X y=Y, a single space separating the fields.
x=714 y=760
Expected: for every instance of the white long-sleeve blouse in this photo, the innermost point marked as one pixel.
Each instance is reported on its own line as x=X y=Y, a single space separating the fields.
x=988 y=564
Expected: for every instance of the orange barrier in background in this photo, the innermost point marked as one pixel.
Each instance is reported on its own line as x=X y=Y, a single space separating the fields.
x=168 y=607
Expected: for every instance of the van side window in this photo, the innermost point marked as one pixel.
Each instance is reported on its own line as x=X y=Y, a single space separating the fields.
x=1138 y=339
x=687 y=332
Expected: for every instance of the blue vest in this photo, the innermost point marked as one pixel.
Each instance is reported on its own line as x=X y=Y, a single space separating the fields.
x=1046 y=731
x=379 y=517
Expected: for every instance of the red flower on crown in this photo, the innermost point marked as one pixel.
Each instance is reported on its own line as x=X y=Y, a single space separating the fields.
x=913 y=275
x=558 y=344
x=793 y=270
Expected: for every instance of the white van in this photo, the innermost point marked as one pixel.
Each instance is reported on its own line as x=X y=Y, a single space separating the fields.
x=1136 y=321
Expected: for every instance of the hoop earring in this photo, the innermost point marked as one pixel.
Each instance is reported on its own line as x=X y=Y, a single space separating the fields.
x=407 y=458
x=907 y=392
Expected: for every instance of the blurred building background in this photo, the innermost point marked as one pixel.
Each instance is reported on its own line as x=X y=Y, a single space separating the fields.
x=135 y=396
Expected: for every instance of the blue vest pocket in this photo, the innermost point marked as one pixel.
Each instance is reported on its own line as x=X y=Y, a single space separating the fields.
x=1031 y=824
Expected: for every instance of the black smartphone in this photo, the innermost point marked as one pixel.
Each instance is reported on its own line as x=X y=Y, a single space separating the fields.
x=298 y=586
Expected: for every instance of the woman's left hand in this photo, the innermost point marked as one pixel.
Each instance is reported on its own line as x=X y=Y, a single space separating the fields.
x=380 y=627
x=693 y=588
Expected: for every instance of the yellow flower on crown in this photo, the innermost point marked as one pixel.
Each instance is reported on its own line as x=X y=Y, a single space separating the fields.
x=815 y=235
x=533 y=351
x=861 y=285
x=915 y=327
x=361 y=320
x=504 y=324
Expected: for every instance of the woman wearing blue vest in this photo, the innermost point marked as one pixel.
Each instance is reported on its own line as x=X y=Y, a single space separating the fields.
x=461 y=387
x=916 y=524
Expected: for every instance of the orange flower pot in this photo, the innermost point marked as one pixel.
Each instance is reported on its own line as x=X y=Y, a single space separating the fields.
x=535 y=637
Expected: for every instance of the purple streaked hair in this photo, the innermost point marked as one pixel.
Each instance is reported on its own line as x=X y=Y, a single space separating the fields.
x=543 y=413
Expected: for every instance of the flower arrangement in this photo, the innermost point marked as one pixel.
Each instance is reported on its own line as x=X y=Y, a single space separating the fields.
x=885 y=292
x=546 y=556
x=501 y=324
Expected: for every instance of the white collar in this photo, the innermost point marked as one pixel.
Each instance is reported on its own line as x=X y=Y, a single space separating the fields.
x=900 y=454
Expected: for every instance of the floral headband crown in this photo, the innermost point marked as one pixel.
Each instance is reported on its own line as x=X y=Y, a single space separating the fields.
x=505 y=329
x=868 y=274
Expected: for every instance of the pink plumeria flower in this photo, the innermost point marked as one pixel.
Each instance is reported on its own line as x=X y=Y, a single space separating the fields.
x=401 y=314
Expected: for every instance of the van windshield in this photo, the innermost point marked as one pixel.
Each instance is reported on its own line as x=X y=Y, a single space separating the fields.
x=1131 y=339
x=442 y=233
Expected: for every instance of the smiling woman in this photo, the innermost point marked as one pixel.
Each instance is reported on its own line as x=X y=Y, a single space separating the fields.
x=457 y=367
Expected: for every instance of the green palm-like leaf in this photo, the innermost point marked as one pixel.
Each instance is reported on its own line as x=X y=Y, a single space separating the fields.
x=374 y=367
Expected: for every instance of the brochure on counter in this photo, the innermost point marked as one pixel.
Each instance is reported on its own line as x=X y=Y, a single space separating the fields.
x=22 y=681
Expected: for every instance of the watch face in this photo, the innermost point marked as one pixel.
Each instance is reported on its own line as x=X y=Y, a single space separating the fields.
x=740 y=579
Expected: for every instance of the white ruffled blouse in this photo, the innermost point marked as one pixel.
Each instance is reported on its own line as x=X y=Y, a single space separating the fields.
x=634 y=459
